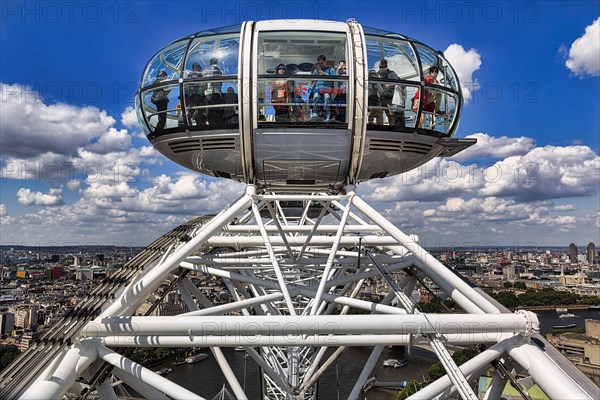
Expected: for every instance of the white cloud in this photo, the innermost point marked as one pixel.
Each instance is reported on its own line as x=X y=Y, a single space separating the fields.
x=130 y=121
x=584 y=54
x=479 y=221
x=490 y=209
x=465 y=63
x=27 y=197
x=31 y=128
x=541 y=173
x=111 y=141
x=73 y=184
x=565 y=220
x=60 y=143
x=129 y=118
x=3 y=210
x=102 y=190
x=564 y=207
x=433 y=181
x=495 y=147
x=485 y=221
x=548 y=172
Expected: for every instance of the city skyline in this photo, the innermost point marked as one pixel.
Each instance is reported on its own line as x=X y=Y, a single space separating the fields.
x=76 y=168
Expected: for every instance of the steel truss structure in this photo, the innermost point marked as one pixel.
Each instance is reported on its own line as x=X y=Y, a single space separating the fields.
x=294 y=266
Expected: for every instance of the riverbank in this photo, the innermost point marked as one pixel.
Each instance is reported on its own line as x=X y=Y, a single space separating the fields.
x=551 y=308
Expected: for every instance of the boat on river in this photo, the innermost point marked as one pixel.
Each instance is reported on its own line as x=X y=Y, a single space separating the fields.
x=392 y=362
x=165 y=371
x=568 y=326
x=568 y=315
x=196 y=358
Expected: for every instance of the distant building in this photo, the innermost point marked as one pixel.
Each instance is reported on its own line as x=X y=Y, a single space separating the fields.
x=581 y=349
x=416 y=296
x=27 y=340
x=22 y=318
x=57 y=273
x=32 y=318
x=172 y=305
x=573 y=253
x=509 y=272
x=7 y=323
x=546 y=259
x=591 y=253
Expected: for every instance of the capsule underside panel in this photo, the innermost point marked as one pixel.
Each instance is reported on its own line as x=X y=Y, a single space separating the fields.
x=215 y=153
x=301 y=157
x=390 y=153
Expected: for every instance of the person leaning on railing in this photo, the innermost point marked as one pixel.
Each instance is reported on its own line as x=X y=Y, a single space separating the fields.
x=281 y=94
x=431 y=101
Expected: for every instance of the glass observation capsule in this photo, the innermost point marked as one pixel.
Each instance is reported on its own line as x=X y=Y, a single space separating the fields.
x=300 y=106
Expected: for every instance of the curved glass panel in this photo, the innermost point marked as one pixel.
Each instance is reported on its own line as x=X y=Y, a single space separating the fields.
x=303 y=77
x=379 y=32
x=389 y=105
x=300 y=99
x=162 y=108
x=223 y=48
x=211 y=103
x=140 y=116
x=447 y=77
x=400 y=57
x=438 y=109
x=225 y=29
x=428 y=58
x=168 y=60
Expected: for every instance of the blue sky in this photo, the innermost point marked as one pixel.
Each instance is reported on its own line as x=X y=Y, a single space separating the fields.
x=76 y=169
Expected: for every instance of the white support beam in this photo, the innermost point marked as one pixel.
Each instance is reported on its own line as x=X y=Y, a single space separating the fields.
x=496 y=387
x=237 y=305
x=424 y=257
x=522 y=322
x=106 y=391
x=334 y=247
x=144 y=374
x=374 y=356
x=316 y=241
x=133 y=296
x=302 y=228
x=545 y=372
x=79 y=357
x=286 y=341
x=483 y=359
x=139 y=386
x=238 y=391
x=313 y=230
x=366 y=371
x=274 y=262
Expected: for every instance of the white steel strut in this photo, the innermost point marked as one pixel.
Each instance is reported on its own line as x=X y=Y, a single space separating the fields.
x=294 y=266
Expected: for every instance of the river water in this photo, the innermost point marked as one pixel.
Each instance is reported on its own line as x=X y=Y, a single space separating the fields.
x=206 y=379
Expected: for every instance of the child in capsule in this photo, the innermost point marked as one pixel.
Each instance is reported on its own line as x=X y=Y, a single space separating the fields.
x=322 y=89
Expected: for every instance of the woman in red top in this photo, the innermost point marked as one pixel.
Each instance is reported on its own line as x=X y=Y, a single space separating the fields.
x=430 y=100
